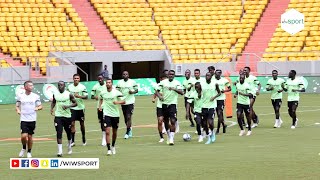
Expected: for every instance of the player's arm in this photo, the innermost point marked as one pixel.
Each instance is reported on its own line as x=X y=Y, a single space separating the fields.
x=159 y=95
x=178 y=89
x=39 y=107
x=269 y=87
x=53 y=104
x=135 y=91
x=73 y=100
x=120 y=100
x=302 y=89
x=18 y=105
x=281 y=90
x=283 y=85
x=219 y=93
x=85 y=95
x=259 y=86
x=100 y=103
x=38 y=104
x=236 y=94
x=93 y=94
x=228 y=88
x=248 y=94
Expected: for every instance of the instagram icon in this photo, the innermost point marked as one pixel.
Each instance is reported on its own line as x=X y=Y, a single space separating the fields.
x=34 y=163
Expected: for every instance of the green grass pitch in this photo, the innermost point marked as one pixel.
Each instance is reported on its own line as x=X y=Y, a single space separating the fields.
x=267 y=154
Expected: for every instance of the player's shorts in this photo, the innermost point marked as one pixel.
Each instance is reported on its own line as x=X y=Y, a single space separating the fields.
x=27 y=127
x=208 y=113
x=159 y=112
x=186 y=102
x=111 y=122
x=276 y=102
x=100 y=115
x=198 y=117
x=77 y=115
x=243 y=108
x=220 y=105
x=127 y=109
x=62 y=122
x=169 y=111
x=292 y=103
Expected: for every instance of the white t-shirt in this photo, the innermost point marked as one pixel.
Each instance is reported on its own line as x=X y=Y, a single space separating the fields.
x=28 y=103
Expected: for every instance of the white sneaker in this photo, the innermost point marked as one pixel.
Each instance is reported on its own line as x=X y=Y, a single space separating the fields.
x=196 y=132
x=21 y=154
x=113 y=150
x=29 y=155
x=73 y=144
x=161 y=140
x=254 y=125
x=242 y=132
x=69 y=150
x=248 y=133
x=200 y=138
x=293 y=127
x=276 y=124
x=280 y=122
x=171 y=141
x=126 y=136
x=59 y=154
x=247 y=125
x=84 y=144
x=296 y=122
x=109 y=153
x=177 y=127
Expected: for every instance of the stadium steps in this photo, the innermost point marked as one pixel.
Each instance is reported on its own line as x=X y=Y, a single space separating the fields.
x=101 y=37
x=10 y=60
x=263 y=33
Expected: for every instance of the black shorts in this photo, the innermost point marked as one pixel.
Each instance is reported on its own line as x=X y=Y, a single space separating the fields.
x=159 y=112
x=292 y=103
x=127 y=109
x=198 y=117
x=62 y=122
x=208 y=113
x=186 y=102
x=100 y=115
x=243 y=108
x=276 y=102
x=169 y=111
x=220 y=105
x=27 y=127
x=77 y=115
x=111 y=122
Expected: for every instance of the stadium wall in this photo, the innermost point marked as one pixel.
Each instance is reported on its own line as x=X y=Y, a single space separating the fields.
x=9 y=92
x=14 y=75
x=302 y=67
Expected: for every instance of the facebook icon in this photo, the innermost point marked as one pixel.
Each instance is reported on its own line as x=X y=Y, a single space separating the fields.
x=54 y=163
x=25 y=163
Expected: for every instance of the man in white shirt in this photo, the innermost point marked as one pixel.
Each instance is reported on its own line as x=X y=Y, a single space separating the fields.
x=27 y=106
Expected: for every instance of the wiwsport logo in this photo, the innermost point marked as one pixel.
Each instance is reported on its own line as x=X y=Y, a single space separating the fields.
x=292 y=21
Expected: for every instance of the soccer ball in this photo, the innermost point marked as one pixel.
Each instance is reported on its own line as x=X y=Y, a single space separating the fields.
x=186 y=137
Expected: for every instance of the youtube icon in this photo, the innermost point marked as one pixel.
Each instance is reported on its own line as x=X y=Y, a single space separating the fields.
x=15 y=163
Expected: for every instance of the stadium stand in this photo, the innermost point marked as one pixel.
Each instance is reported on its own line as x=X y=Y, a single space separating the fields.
x=303 y=45
x=206 y=31
x=31 y=28
x=131 y=22
x=3 y=63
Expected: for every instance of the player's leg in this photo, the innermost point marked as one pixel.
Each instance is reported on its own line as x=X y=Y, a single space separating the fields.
x=59 y=128
x=67 y=128
x=187 y=106
x=73 y=128
x=24 y=136
x=210 y=119
x=248 y=117
x=254 y=117
x=220 y=108
x=82 y=126
x=294 y=115
x=198 y=120
x=107 y=121
x=160 y=123
x=100 y=118
x=172 y=112
x=115 y=125
x=129 y=118
x=240 y=119
x=31 y=127
x=277 y=112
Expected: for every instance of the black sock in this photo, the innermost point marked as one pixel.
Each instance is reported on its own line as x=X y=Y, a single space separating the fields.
x=83 y=136
x=199 y=129
x=29 y=150
x=113 y=143
x=294 y=121
x=108 y=145
x=72 y=136
x=128 y=130
x=161 y=136
x=24 y=147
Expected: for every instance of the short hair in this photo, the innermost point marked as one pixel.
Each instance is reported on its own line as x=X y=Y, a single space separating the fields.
x=247 y=68
x=197 y=70
x=165 y=70
x=218 y=70
x=211 y=68
x=187 y=70
x=294 y=72
x=163 y=75
x=76 y=75
x=172 y=71
x=197 y=83
x=25 y=83
x=109 y=79
x=274 y=70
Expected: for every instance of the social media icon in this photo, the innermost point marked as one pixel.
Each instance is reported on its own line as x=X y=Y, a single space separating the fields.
x=15 y=163
x=44 y=163
x=54 y=163
x=25 y=163
x=34 y=163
